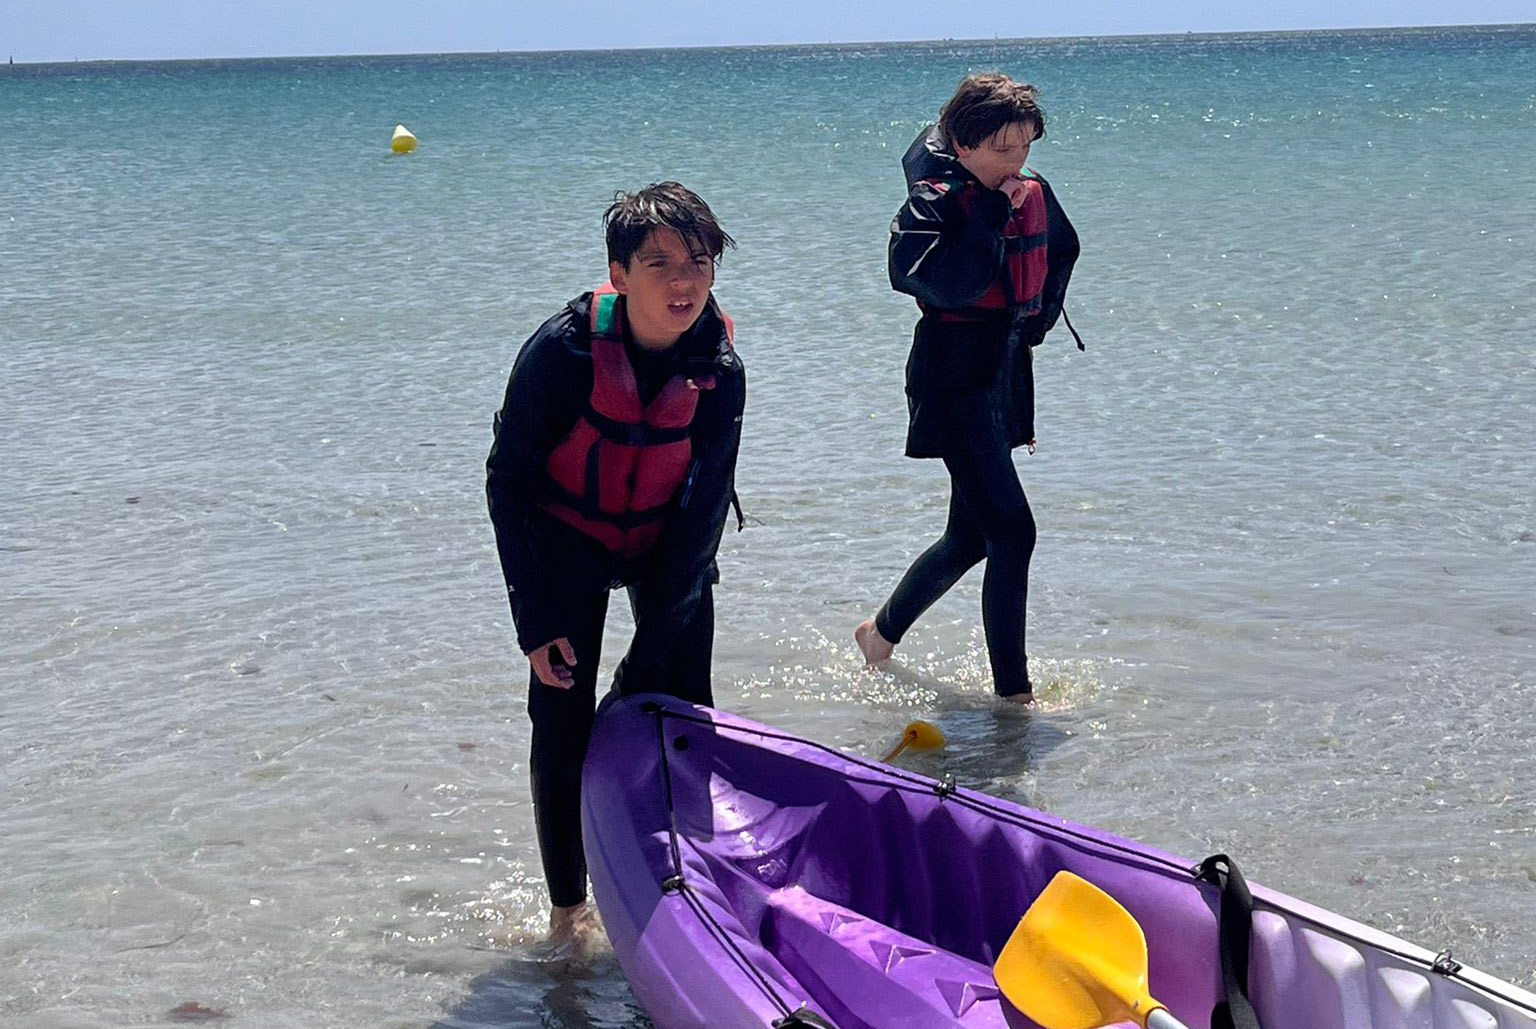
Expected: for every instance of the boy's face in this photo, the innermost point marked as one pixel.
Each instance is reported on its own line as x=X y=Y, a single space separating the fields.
x=665 y=287
x=999 y=155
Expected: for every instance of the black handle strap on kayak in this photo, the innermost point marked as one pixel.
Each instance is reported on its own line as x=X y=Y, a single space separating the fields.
x=1234 y=928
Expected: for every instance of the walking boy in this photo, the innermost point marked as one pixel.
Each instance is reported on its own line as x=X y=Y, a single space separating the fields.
x=613 y=466
x=986 y=250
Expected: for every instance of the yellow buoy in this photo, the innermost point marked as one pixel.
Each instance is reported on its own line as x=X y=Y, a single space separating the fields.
x=402 y=142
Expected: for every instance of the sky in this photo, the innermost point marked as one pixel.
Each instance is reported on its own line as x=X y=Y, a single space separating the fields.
x=94 y=30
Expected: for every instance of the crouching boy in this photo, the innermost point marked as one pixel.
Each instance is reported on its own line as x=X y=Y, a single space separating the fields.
x=613 y=466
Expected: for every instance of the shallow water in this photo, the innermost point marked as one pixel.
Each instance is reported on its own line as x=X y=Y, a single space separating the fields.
x=264 y=741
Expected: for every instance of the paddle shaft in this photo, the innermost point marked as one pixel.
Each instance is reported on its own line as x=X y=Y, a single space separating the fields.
x=1161 y=1019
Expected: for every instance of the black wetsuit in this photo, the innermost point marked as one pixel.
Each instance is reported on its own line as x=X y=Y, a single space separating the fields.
x=562 y=719
x=559 y=580
x=989 y=517
x=970 y=392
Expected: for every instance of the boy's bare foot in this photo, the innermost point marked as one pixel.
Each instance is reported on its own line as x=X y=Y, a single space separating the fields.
x=875 y=647
x=1022 y=699
x=569 y=926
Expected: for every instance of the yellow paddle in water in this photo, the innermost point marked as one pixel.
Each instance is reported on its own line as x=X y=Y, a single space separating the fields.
x=918 y=736
x=1078 y=960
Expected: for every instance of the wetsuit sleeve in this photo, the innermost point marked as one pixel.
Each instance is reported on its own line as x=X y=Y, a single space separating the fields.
x=545 y=394
x=686 y=553
x=947 y=242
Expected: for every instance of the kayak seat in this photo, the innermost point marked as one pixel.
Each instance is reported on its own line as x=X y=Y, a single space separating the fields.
x=941 y=873
x=866 y=974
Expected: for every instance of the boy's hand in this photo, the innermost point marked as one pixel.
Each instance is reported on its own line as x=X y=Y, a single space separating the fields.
x=552 y=664
x=1015 y=187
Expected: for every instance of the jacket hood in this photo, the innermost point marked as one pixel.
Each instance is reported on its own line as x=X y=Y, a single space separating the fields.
x=929 y=157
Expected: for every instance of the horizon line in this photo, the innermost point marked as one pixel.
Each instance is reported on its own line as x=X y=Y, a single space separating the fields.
x=1186 y=34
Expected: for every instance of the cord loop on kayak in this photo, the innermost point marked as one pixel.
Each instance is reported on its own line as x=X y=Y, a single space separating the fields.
x=803 y=1018
x=1445 y=964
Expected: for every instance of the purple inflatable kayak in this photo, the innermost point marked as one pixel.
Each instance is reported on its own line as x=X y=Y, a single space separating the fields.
x=748 y=878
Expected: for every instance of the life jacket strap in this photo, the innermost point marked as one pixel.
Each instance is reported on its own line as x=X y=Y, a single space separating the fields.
x=1023 y=244
x=1075 y=336
x=632 y=435
x=562 y=497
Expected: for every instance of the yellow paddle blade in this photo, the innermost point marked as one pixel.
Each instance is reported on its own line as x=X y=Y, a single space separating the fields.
x=919 y=736
x=1076 y=960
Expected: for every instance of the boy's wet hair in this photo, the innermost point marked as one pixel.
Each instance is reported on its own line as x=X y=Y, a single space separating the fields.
x=983 y=104
x=669 y=205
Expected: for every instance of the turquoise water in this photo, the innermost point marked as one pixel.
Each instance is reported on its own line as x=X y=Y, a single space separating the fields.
x=264 y=741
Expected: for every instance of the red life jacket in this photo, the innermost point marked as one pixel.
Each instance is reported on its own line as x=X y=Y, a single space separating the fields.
x=1018 y=286
x=615 y=473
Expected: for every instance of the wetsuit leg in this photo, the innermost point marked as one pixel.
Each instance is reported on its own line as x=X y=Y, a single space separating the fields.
x=562 y=724
x=987 y=484
x=936 y=569
x=694 y=652
x=687 y=673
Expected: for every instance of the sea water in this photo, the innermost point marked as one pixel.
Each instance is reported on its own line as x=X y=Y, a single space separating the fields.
x=264 y=741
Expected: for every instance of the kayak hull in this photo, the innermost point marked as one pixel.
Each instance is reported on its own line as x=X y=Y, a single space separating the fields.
x=745 y=875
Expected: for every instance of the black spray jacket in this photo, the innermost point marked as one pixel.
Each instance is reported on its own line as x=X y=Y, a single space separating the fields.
x=543 y=560
x=969 y=377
